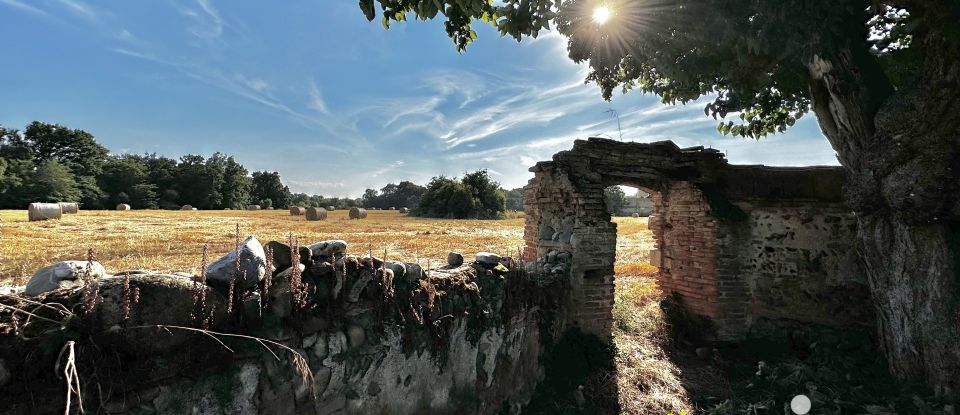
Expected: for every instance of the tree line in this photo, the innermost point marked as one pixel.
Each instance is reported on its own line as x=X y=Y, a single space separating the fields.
x=53 y=163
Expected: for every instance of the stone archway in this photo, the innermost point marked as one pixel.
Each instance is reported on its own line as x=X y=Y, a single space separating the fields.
x=735 y=242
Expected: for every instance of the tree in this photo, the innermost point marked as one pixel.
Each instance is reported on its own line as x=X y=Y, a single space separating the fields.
x=488 y=198
x=615 y=199
x=52 y=182
x=127 y=176
x=198 y=184
x=267 y=185
x=473 y=197
x=236 y=184
x=881 y=77
x=515 y=199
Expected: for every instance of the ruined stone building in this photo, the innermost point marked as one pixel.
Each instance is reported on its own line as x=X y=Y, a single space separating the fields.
x=738 y=243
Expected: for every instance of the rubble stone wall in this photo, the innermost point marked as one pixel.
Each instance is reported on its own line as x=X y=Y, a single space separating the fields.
x=737 y=243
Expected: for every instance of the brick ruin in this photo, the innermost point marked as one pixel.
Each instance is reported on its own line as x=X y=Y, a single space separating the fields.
x=738 y=243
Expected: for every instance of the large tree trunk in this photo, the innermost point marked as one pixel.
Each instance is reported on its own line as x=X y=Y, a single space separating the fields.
x=901 y=150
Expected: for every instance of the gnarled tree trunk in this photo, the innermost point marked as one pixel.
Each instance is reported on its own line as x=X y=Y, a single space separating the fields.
x=901 y=150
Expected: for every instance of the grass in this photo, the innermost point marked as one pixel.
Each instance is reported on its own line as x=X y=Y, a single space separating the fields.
x=173 y=240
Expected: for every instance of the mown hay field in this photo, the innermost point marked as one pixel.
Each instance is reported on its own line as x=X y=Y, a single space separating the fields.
x=173 y=240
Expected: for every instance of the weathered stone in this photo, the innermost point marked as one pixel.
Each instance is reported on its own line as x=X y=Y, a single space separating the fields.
x=365 y=278
x=414 y=272
x=5 y=375
x=546 y=232
x=399 y=269
x=281 y=254
x=454 y=259
x=66 y=274
x=253 y=263
x=356 y=336
x=329 y=248
x=285 y=274
x=488 y=259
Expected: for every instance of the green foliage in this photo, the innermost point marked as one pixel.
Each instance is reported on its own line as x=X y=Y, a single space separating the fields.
x=750 y=57
x=615 y=199
x=515 y=199
x=475 y=196
x=405 y=194
x=52 y=182
x=267 y=185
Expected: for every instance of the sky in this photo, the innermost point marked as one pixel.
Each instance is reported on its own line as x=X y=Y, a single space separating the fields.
x=334 y=103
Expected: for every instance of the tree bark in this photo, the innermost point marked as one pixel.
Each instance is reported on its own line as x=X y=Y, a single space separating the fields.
x=901 y=151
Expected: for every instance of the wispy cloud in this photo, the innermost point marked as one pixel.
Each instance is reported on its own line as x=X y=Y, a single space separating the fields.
x=316 y=102
x=19 y=5
x=209 y=24
x=79 y=8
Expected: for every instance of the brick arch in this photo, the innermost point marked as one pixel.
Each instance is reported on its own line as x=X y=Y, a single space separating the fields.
x=707 y=220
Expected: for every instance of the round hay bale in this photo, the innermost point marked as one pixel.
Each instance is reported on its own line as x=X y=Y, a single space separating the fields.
x=253 y=207
x=227 y=209
x=404 y=210
x=358 y=213
x=636 y=215
x=392 y=208
x=297 y=211
x=316 y=213
x=331 y=208
x=123 y=206
x=69 y=207
x=186 y=207
x=44 y=211
x=268 y=208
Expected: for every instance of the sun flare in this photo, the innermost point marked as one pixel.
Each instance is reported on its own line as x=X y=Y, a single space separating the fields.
x=601 y=14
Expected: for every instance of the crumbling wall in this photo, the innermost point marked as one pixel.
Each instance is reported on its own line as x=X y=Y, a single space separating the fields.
x=342 y=335
x=737 y=243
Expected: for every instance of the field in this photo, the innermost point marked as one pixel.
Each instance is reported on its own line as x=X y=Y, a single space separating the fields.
x=173 y=240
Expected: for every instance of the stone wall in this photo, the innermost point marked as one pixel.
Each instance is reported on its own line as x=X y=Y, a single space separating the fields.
x=737 y=243
x=358 y=336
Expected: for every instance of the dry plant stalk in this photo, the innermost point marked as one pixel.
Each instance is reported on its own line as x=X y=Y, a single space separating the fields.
x=268 y=278
x=91 y=292
x=126 y=297
x=200 y=292
x=70 y=375
x=298 y=289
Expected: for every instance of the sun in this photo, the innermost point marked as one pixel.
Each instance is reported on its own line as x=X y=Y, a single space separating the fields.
x=601 y=14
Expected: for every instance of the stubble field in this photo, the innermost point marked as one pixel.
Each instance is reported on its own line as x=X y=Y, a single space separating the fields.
x=173 y=240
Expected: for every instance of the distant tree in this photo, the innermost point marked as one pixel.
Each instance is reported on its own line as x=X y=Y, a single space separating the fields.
x=475 y=196
x=199 y=184
x=489 y=199
x=236 y=184
x=267 y=185
x=615 y=199
x=120 y=175
x=52 y=182
x=515 y=199
x=370 y=198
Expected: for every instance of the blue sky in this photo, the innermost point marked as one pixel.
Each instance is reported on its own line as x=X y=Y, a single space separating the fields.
x=336 y=104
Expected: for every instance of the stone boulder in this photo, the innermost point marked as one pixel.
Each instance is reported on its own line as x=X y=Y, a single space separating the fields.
x=253 y=264
x=488 y=259
x=66 y=274
x=281 y=255
x=329 y=248
x=454 y=259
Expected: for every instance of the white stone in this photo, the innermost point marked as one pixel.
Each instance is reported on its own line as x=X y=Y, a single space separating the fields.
x=329 y=248
x=64 y=274
x=253 y=264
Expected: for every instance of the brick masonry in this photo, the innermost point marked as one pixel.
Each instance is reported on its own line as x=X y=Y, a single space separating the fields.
x=737 y=242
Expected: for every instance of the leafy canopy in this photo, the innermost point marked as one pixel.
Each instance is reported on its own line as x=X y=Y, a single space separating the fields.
x=749 y=56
